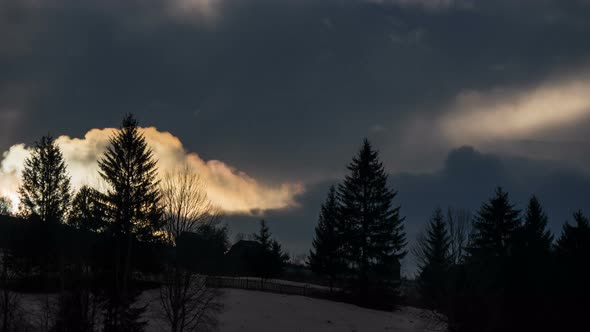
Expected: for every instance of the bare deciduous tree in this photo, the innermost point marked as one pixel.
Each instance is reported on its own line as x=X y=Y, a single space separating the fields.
x=185 y=203
x=187 y=303
x=459 y=226
x=9 y=300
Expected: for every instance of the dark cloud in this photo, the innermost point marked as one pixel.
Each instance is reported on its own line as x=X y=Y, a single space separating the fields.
x=285 y=90
x=269 y=86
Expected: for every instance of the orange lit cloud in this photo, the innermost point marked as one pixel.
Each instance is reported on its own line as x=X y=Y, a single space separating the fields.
x=233 y=191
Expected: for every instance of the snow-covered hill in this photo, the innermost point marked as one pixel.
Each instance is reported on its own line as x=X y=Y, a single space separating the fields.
x=246 y=310
x=260 y=311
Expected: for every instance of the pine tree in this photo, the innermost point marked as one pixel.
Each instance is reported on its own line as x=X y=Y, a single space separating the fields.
x=45 y=189
x=536 y=239
x=575 y=240
x=573 y=273
x=573 y=251
x=491 y=262
x=264 y=237
x=530 y=262
x=434 y=261
x=132 y=208
x=373 y=229
x=128 y=166
x=495 y=227
x=326 y=256
x=271 y=258
x=278 y=259
x=88 y=210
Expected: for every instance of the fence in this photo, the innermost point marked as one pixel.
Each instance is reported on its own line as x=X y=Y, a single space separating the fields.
x=273 y=286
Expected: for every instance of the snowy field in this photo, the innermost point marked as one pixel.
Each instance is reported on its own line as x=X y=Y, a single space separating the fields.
x=259 y=311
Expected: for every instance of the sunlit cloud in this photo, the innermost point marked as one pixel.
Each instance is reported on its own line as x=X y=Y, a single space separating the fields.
x=235 y=192
x=501 y=114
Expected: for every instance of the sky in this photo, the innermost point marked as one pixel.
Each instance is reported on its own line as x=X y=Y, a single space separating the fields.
x=269 y=100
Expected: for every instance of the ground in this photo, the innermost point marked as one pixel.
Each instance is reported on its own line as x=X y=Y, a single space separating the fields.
x=258 y=311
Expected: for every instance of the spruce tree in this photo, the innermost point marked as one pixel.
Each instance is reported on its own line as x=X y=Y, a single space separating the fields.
x=495 y=227
x=373 y=229
x=45 y=189
x=434 y=261
x=88 y=210
x=264 y=237
x=536 y=239
x=527 y=275
x=573 y=251
x=130 y=170
x=278 y=259
x=133 y=212
x=575 y=239
x=573 y=273
x=262 y=264
x=491 y=262
x=326 y=255
x=271 y=258
x=45 y=197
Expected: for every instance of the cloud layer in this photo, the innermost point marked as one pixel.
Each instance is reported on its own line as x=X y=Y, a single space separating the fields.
x=503 y=114
x=233 y=191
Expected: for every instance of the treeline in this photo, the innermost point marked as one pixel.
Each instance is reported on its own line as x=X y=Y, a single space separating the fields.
x=504 y=271
x=498 y=270
x=98 y=250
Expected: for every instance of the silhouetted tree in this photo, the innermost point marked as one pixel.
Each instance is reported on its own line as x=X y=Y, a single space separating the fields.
x=45 y=197
x=452 y=307
x=203 y=251
x=278 y=259
x=373 y=229
x=10 y=302
x=535 y=238
x=574 y=240
x=573 y=273
x=573 y=250
x=434 y=261
x=263 y=236
x=494 y=228
x=326 y=255
x=5 y=206
x=490 y=263
x=185 y=204
x=78 y=307
x=271 y=258
x=45 y=185
x=530 y=272
x=188 y=303
x=459 y=226
x=133 y=211
x=88 y=210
